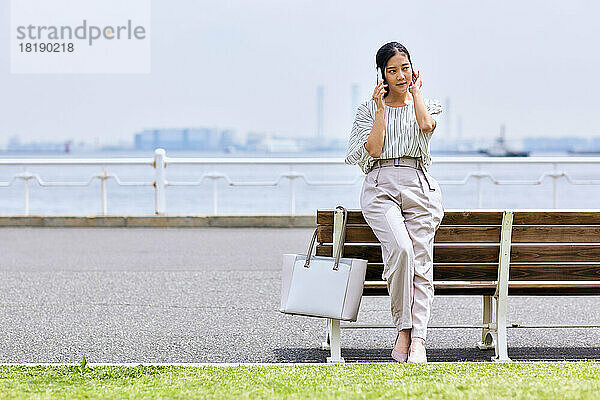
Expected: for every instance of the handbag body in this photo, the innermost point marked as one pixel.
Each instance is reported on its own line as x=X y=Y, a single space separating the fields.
x=318 y=286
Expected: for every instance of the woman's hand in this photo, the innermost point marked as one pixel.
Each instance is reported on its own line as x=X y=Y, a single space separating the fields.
x=416 y=82
x=378 y=94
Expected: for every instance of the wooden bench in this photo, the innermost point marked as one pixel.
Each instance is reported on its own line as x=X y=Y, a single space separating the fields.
x=489 y=253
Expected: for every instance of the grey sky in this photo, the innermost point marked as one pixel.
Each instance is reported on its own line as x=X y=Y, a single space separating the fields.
x=255 y=66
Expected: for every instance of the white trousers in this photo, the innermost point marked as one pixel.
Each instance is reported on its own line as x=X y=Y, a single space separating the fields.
x=403 y=206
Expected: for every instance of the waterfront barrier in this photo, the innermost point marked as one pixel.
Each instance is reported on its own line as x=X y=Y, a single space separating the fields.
x=160 y=184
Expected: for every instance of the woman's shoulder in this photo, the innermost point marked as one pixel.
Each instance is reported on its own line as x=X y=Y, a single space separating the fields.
x=367 y=107
x=368 y=103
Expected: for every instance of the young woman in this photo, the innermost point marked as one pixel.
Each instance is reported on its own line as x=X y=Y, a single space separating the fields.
x=400 y=200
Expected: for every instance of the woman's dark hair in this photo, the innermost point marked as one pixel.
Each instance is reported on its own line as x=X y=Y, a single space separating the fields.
x=384 y=54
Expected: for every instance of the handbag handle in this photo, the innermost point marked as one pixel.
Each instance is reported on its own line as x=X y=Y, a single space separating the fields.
x=338 y=253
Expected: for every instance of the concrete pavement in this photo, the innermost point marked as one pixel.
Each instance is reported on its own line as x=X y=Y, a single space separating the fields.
x=194 y=295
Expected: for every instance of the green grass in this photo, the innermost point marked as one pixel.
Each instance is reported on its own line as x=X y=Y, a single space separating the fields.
x=516 y=380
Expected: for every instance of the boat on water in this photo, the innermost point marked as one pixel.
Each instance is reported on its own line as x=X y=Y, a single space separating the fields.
x=500 y=148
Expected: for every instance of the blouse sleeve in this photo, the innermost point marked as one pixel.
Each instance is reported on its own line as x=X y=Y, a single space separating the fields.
x=363 y=123
x=435 y=109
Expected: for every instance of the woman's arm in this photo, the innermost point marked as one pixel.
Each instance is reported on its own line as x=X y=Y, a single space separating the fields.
x=374 y=143
x=424 y=119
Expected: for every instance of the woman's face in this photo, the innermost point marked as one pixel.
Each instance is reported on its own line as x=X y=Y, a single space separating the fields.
x=398 y=73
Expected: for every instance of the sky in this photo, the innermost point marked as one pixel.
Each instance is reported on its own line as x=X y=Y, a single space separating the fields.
x=254 y=66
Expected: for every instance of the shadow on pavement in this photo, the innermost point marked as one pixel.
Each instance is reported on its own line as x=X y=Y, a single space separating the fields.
x=293 y=355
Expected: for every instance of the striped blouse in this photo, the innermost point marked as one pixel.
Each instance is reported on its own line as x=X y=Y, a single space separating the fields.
x=403 y=136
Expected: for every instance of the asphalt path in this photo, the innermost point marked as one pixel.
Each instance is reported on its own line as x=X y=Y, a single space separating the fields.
x=194 y=295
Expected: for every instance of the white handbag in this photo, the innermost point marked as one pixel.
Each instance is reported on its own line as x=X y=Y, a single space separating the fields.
x=320 y=286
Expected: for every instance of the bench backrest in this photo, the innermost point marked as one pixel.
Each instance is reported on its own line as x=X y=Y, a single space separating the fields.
x=545 y=246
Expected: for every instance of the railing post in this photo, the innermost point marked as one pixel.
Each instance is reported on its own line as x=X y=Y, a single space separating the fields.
x=26 y=196
x=479 y=186
x=292 y=193
x=103 y=191
x=554 y=186
x=159 y=181
x=214 y=186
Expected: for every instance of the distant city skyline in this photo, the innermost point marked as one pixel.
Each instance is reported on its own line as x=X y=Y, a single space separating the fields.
x=256 y=66
x=216 y=141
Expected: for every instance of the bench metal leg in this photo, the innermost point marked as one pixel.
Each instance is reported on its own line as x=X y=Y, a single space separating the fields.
x=501 y=295
x=326 y=345
x=333 y=325
x=487 y=340
x=335 y=342
x=501 y=342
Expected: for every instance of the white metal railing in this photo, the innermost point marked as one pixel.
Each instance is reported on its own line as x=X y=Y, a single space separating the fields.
x=160 y=161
